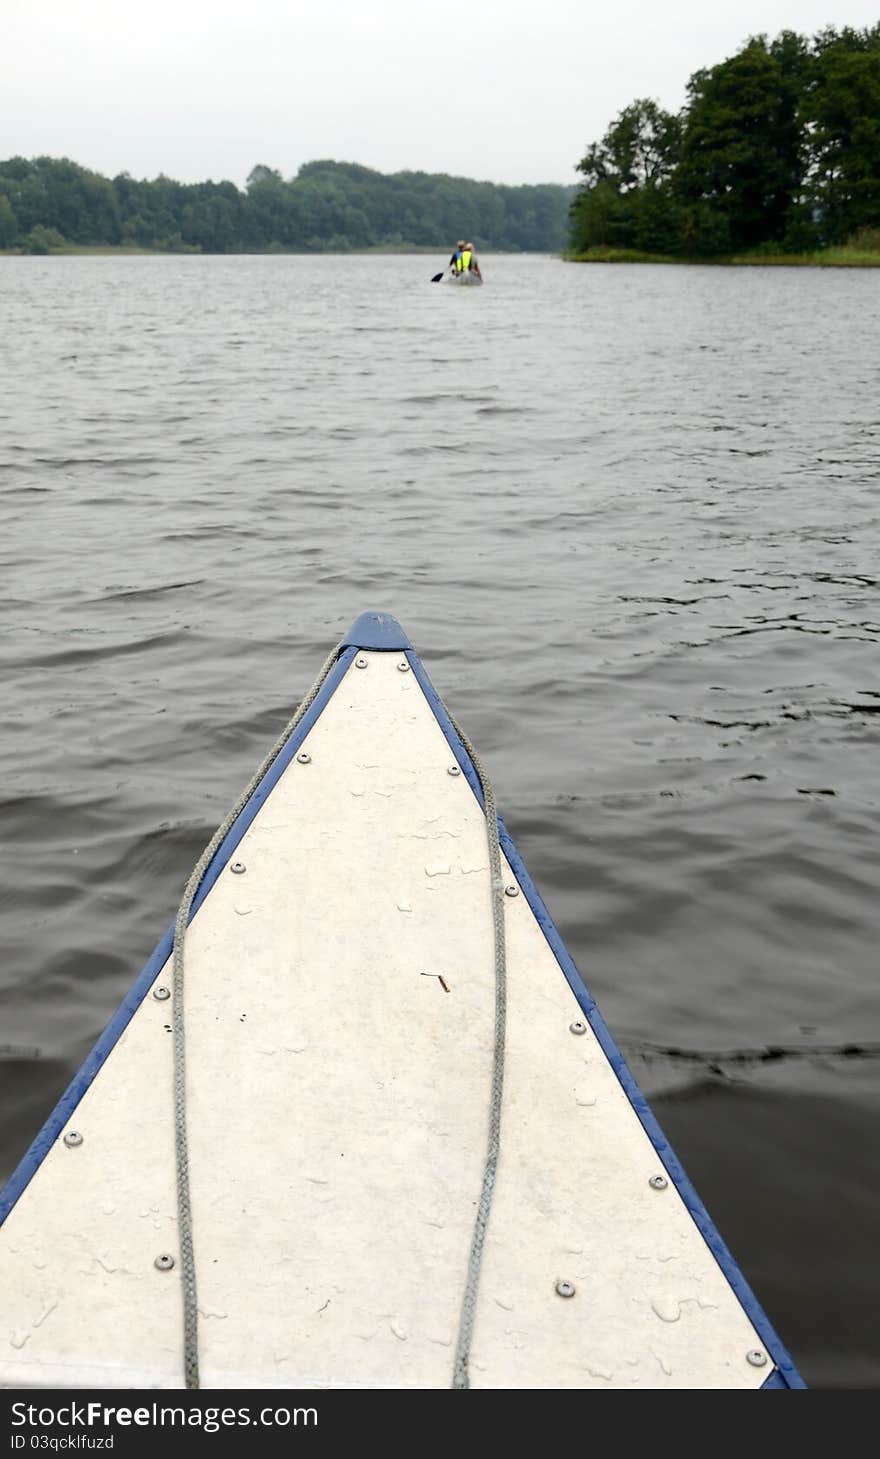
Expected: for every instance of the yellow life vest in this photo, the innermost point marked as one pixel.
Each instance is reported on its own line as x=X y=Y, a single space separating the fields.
x=466 y=257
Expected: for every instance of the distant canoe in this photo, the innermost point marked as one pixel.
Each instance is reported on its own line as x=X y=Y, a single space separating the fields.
x=464 y=280
x=342 y=975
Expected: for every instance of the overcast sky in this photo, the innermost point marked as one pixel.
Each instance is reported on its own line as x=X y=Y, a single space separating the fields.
x=512 y=91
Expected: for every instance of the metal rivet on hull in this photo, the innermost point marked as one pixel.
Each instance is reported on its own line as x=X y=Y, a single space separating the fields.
x=164 y=1263
x=565 y=1289
x=658 y=1182
x=160 y=994
x=453 y=770
x=237 y=868
x=511 y=891
x=756 y=1358
x=403 y=667
x=360 y=663
x=304 y=758
x=577 y=1027
x=73 y=1138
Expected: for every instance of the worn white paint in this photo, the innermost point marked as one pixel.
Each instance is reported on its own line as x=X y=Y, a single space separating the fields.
x=338 y=1100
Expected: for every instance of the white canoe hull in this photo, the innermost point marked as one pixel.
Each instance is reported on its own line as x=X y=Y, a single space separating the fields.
x=464 y=280
x=339 y=1034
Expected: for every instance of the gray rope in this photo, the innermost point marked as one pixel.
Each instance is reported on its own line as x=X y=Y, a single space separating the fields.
x=460 y=1375
x=184 y=1206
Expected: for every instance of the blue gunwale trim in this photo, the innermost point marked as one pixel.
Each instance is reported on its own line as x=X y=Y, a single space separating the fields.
x=377 y=631
x=776 y=1380
x=785 y=1374
x=58 y=1119
x=380 y=632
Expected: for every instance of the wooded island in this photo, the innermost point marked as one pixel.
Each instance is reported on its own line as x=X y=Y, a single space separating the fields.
x=775 y=154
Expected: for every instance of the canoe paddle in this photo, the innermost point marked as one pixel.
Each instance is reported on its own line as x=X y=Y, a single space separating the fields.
x=437 y=277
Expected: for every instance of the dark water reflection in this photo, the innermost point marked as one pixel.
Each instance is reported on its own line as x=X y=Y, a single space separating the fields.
x=630 y=518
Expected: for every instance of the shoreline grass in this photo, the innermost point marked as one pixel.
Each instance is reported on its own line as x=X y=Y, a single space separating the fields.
x=840 y=257
x=122 y=250
x=85 y=250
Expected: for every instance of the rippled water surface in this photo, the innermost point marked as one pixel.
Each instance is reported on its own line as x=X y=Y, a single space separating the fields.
x=629 y=517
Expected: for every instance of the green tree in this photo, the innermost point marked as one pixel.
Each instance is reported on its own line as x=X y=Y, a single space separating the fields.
x=626 y=201
x=43 y=240
x=640 y=147
x=841 y=109
x=8 y=222
x=742 y=147
x=261 y=174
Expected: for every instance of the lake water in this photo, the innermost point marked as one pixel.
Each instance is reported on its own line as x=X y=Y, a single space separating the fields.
x=628 y=516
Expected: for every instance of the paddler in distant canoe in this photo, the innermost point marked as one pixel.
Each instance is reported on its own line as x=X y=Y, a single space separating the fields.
x=462 y=261
x=463 y=257
x=470 y=260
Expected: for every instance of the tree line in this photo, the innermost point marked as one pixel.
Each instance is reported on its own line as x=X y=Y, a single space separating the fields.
x=47 y=203
x=777 y=148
